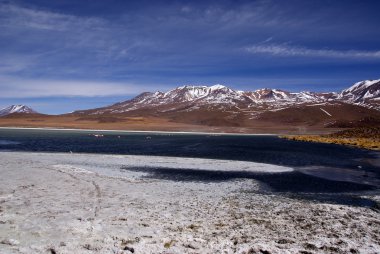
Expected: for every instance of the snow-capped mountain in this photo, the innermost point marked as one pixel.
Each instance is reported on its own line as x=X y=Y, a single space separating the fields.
x=190 y=98
x=212 y=94
x=221 y=98
x=278 y=97
x=16 y=109
x=366 y=93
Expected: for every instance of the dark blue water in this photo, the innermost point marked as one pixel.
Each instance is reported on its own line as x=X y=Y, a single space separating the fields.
x=365 y=175
x=265 y=149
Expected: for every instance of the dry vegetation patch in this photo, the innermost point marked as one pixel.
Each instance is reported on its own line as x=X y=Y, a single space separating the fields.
x=365 y=137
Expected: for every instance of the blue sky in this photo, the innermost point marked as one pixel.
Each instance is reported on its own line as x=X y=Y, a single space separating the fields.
x=58 y=56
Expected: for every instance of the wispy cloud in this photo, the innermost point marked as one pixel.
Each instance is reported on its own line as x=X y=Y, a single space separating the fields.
x=21 y=17
x=32 y=88
x=297 y=51
x=70 y=48
x=33 y=30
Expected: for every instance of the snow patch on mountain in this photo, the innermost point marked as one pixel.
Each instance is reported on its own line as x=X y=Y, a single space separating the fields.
x=16 y=109
x=359 y=86
x=365 y=93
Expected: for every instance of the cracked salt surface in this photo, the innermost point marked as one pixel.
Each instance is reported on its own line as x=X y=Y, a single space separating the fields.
x=52 y=202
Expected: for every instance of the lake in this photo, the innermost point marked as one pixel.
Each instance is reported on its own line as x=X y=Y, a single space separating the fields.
x=322 y=172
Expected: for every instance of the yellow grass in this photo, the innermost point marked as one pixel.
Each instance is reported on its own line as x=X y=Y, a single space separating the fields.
x=366 y=143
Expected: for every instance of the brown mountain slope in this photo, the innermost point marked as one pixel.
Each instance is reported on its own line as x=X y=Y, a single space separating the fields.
x=297 y=119
x=321 y=115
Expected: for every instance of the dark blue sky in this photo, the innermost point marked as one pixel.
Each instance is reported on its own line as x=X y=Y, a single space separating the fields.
x=58 y=55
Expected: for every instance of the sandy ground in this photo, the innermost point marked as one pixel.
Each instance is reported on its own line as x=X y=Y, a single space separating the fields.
x=71 y=203
x=155 y=124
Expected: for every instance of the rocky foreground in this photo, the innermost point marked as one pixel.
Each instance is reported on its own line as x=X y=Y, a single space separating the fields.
x=68 y=203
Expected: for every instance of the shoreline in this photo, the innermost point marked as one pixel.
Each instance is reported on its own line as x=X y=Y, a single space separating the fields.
x=143 y=132
x=358 y=143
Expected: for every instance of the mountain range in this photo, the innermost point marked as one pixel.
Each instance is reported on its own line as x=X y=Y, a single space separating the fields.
x=219 y=97
x=219 y=105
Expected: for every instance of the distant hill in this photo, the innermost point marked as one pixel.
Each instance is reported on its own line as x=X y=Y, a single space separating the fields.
x=17 y=109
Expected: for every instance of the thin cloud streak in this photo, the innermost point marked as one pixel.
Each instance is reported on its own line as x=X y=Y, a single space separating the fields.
x=290 y=51
x=22 y=18
x=33 y=88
